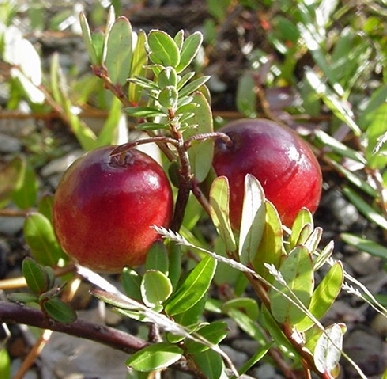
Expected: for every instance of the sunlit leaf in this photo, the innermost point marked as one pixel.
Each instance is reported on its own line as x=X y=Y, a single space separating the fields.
x=155 y=357
x=11 y=176
x=201 y=152
x=40 y=237
x=219 y=201
x=297 y=273
x=155 y=288
x=163 y=49
x=252 y=220
x=324 y=295
x=214 y=333
x=189 y=50
x=328 y=349
x=193 y=288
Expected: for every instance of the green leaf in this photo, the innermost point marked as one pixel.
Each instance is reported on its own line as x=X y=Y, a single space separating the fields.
x=366 y=245
x=328 y=349
x=139 y=60
x=167 y=77
x=193 y=288
x=252 y=220
x=193 y=86
x=155 y=357
x=110 y=129
x=10 y=178
x=167 y=97
x=246 y=98
x=36 y=277
x=23 y=297
x=219 y=201
x=297 y=272
x=201 y=152
x=5 y=364
x=45 y=206
x=339 y=147
x=189 y=50
x=210 y=363
x=157 y=258
x=214 y=333
x=163 y=49
x=378 y=98
x=155 y=288
x=131 y=282
x=246 y=305
x=87 y=39
x=276 y=332
x=25 y=193
x=303 y=218
x=193 y=315
x=59 y=311
x=324 y=296
x=118 y=58
x=40 y=238
x=271 y=249
x=367 y=210
x=143 y=112
x=250 y=327
x=338 y=106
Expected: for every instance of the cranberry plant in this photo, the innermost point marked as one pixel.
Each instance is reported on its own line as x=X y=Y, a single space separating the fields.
x=191 y=275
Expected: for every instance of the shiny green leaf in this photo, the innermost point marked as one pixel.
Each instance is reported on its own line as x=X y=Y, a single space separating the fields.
x=219 y=201
x=167 y=97
x=157 y=257
x=201 y=152
x=363 y=244
x=304 y=217
x=214 y=333
x=189 y=50
x=167 y=77
x=155 y=357
x=36 y=277
x=155 y=288
x=118 y=57
x=252 y=220
x=45 y=206
x=139 y=61
x=367 y=210
x=193 y=86
x=87 y=39
x=271 y=249
x=131 y=282
x=297 y=272
x=193 y=288
x=210 y=363
x=40 y=238
x=163 y=49
x=59 y=311
x=324 y=295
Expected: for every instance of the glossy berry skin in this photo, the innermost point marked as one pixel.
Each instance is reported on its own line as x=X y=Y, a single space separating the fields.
x=104 y=207
x=281 y=160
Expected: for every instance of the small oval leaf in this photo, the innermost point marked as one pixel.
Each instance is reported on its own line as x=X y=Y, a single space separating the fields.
x=36 y=277
x=155 y=288
x=59 y=311
x=155 y=357
x=40 y=237
x=163 y=49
